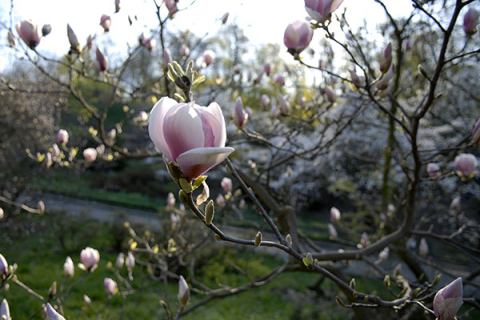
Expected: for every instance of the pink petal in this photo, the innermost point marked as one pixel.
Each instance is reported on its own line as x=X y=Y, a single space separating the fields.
x=217 y=122
x=155 y=124
x=196 y=162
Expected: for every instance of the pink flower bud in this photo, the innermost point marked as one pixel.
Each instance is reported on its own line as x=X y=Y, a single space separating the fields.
x=470 y=21
x=101 y=62
x=52 y=314
x=190 y=135
x=105 y=22
x=46 y=29
x=297 y=36
x=62 y=136
x=227 y=184
x=72 y=38
x=208 y=57
x=384 y=82
x=330 y=94
x=332 y=231
x=455 y=205
x=283 y=105
x=240 y=117
x=48 y=160
x=220 y=200
x=264 y=100
x=89 y=258
x=41 y=207
x=423 y=247
x=90 y=39
x=476 y=134
x=267 y=68
x=279 y=79
x=273 y=108
x=2 y=214
x=68 y=268
x=448 y=300
x=433 y=170
x=29 y=33
x=171 y=6
x=184 y=50
x=183 y=291
x=386 y=59
x=170 y=200
x=87 y=301
x=55 y=151
x=320 y=10
x=90 y=154
x=4 y=310
x=117 y=6
x=3 y=266
x=130 y=261
x=120 y=260
x=12 y=41
x=334 y=214
x=466 y=164
x=110 y=286
x=249 y=112
x=167 y=58
x=225 y=18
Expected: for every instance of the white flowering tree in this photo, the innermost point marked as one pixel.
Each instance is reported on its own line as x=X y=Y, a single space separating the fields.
x=390 y=136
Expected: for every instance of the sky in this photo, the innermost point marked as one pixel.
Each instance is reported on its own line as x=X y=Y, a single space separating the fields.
x=264 y=21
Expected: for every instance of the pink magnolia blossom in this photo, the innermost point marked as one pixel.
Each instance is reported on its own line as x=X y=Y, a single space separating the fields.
x=105 y=22
x=264 y=100
x=279 y=79
x=334 y=214
x=240 y=117
x=52 y=314
x=3 y=265
x=332 y=231
x=320 y=10
x=4 y=310
x=170 y=200
x=130 y=261
x=297 y=37
x=120 y=260
x=226 y=184
x=386 y=60
x=90 y=154
x=72 y=38
x=466 y=164
x=330 y=94
x=448 y=300
x=90 y=39
x=2 y=214
x=470 y=21
x=28 y=31
x=283 y=104
x=208 y=57
x=147 y=43
x=110 y=286
x=476 y=134
x=171 y=6
x=101 y=62
x=183 y=291
x=267 y=67
x=220 y=200
x=46 y=29
x=68 y=268
x=89 y=258
x=433 y=170
x=184 y=50
x=167 y=58
x=190 y=135
x=62 y=136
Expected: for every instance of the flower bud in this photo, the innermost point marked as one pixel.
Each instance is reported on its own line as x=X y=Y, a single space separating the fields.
x=105 y=22
x=386 y=59
x=130 y=261
x=183 y=291
x=2 y=214
x=46 y=29
x=87 y=301
x=52 y=314
x=41 y=207
x=167 y=58
x=321 y=10
x=184 y=50
x=283 y=104
x=240 y=117
x=171 y=6
x=279 y=79
x=208 y=57
x=220 y=200
x=470 y=21
x=89 y=258
x=448 y=300
x=465 y=164
x=209 y=212
x=334 y=214
x=120 y=260
x=455 y=205
x=90 y=39
x=332 y=231
x=170 y=201
x=62 y=136
x=297 y=37
x=68 y=268
x=117 y=6
x=383 y=255
x=72 y=38
x=267 y=67
x=225 y=18
x=3 y=266
x=476 y=134
x=258 y=239
x=29 y=33
x=423 y=247
x=90 y=154
x=264 y=100
x=48 y=160
x=110 y=286
x=330 y=94
x=288 y=239
x=4 y=310
x=101 y=62
x=433 y=170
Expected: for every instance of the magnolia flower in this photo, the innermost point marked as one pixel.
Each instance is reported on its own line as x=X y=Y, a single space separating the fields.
x=273 y=108
x=72 y=38
x=183 y=291
x=52 y=314
x=208 y=57
x=220 y=200
x=130 y=261
x=330 y=94
x=87 y=301
x=105 y=22
x=117 y=6
x=184 y=50
x=142 y=116
x=170 y=200
x=476 y=134
x=55 y=151
x=2 y=214
x=171 y=6
x=279 y=79
x=384 y=82
x=46 y=29
x=267 y=67
x=4 y=310
x=249 y=112
x=264 y=100
x=334 y=214
x=90 y=154
x=48 y=160
x=89 y=258
x=423 y=247
x=283 y=104
x=90 y=39
x=68 y=268
x=3 y=265
x=226 y=184
x=448 y=300
x=297 y=37
x=320 y=10
x=470 y=21
x=147 y=43
x=465 y=164
x=120 y=260
x=191 y=136
x=29 y=33
x=332 y=231
x=101 y=62
x=386 y=60
x=455 y=205
x=433 y=170
x=110 y=286
x=240 y=117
